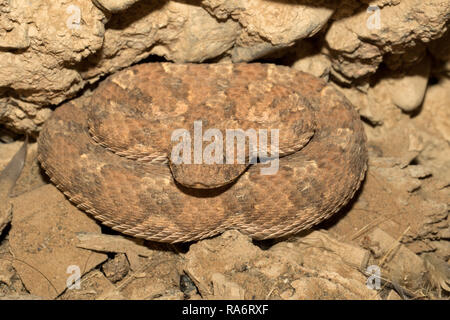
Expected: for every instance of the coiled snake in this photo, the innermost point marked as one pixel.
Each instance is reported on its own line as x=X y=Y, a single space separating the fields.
x=111 y=155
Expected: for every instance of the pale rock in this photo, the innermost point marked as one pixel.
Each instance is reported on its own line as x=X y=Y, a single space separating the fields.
x=231 y=266
x=22 y=116
x=308 y=59
x=359 y=40
x=350 y=254
x=6 y=272
x=409 y=90
x=330 y=286
x=93 y=286
x=436 y=106
x=43 y=241
x=7 y=151
x=114 y=5
x=180 y=32
x=60 y=33
x=400 y=265
x=270 y=25
x=171 y=295
x=226 y=289
x=440 y=48
x=392 y=295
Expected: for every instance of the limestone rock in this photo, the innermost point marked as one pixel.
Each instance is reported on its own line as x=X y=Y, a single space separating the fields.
x=316 y=266
x=306 y=57
x=60 y=33
x=364 y=35
x=408 y=91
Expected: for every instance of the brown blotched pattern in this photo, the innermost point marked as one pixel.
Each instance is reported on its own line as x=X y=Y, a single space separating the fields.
x=110 y=157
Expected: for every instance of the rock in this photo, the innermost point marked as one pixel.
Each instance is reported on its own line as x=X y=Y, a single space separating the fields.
x=158 y=277
x=397 y=263
x=269 y=26
x=434 y=126
x=350 y=254
x=230 y=266
x=403 y=175
x=178 y=31
x=320 y=272
x=133 y=248
x=440 y=48
x=202 y=37
x=187 y=286
x=117 y=268
x=171 y=295
x=318 y=65
x=139 y=271
x=114 y=5
x=6 y=272
x=21 y=297
x=438 y=272
x=43 y=241
x=8 y=177
x=13 y=30
x=418 y=171
x=358 y=43
x=7 y=151
x=50 y=51
x=37 y=65
x=225 y=289
x=22 y=116
x=231 y=251
x=305 y=57
x=408 y=91
x=436 y=107
x=57 y=37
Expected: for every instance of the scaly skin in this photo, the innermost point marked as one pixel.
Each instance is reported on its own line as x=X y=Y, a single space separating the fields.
x=109 y=156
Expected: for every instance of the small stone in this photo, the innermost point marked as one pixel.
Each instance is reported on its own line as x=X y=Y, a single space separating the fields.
x=408 y=92
x=117 y=268
x=226 y=289
x=114 y=5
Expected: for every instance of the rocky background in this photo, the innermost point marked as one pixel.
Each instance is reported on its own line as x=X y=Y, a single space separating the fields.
x=391 y=58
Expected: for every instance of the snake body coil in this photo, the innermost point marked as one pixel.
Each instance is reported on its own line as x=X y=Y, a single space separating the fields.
x=110 y=156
